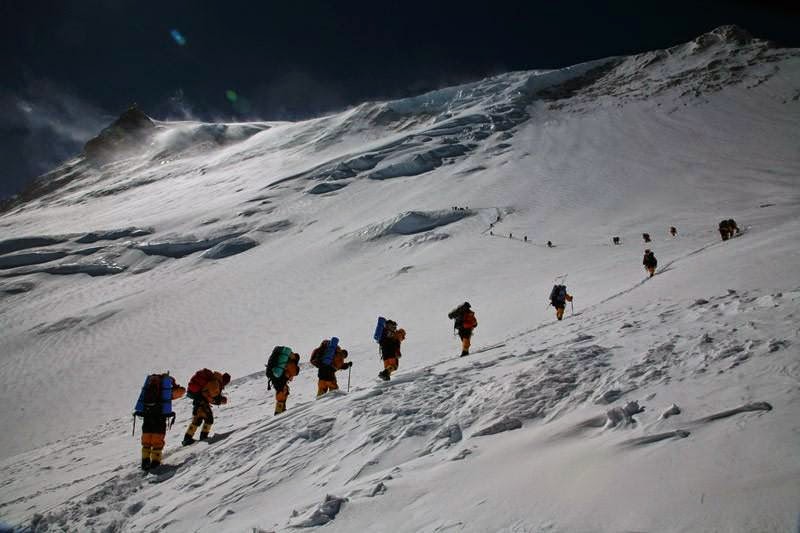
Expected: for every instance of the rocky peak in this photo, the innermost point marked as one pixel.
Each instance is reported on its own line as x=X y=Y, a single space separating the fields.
x=128 y=132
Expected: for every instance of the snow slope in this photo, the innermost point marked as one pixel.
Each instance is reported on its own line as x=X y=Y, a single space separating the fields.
x=214 y=242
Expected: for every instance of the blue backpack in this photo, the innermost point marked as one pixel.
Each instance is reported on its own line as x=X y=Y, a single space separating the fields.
x=155 y=398
x=378 y=335
x=327 y=357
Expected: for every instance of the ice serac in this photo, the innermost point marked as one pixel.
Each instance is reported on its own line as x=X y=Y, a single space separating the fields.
x=32 y=257
x=114 y=234
x=414 y=222
x=22 y=243
x=230 y=247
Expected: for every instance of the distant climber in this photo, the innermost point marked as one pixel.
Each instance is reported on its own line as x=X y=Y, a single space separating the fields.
x=646 y=237
x=549 y=244
x=464 y=322
x=390 y=339
x=673 y=231
x=728 y=229
x=510 y=236
x=650 y=262
x=525 y=238
x=283 y=365
x=615 y=240
x=559 y=298
x=155 y=407
x=205 y=389
x=329 y=357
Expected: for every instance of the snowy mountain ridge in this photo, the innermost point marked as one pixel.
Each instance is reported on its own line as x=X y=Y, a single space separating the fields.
x=663 y=404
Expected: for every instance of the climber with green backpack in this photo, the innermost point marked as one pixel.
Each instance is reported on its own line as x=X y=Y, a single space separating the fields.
x=282 y=366
x=155 y=407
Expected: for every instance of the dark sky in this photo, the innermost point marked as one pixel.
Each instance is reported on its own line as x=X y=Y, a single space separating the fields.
x=68 y=67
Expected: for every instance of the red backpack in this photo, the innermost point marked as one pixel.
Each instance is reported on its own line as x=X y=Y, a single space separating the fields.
x=199 y=380
x=319 y=351
x=469 y=321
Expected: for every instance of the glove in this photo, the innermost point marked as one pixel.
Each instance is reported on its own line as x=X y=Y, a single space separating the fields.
x=220 y=400
x=348 y=364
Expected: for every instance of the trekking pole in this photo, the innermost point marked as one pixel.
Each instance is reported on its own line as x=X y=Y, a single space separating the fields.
x=349 y=369
x=572 y=307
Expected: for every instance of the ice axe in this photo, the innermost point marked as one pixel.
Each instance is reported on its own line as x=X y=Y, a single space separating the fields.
x=349 y=369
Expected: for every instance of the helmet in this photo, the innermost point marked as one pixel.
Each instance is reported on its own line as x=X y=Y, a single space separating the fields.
x=466 y=305
x=647 y=250
x=226 y=378
x=401 y=334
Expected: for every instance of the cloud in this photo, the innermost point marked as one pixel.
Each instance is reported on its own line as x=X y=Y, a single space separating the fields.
x=42 y=126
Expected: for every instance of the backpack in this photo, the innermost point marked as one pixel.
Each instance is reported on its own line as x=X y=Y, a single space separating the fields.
x=558 y=296
x=457 y=314
x=468 y=320
x=155 y=398
x=379 y=327
x=316 y=355
x=276 y=365
x=389 y=329
x=330 y=350
x=198 y=382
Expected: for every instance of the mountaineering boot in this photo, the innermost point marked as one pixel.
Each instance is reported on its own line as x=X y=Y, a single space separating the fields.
x=155 y=459
x=464 y=352
x=187 y=440
x=203 y=435
x=384 y=375
x=145 y=457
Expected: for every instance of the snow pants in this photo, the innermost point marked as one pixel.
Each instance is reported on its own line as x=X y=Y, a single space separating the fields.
x=466 y=335
x=154 y=430
x=651 y=270
x=201 y=414
x=390 y=364
x=325 y=385
x=281 y=395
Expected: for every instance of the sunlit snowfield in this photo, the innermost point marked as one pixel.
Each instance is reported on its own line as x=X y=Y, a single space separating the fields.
x=216 y=242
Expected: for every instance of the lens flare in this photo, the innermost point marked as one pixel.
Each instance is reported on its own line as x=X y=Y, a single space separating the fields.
x=231 y=96
x=178 y=37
